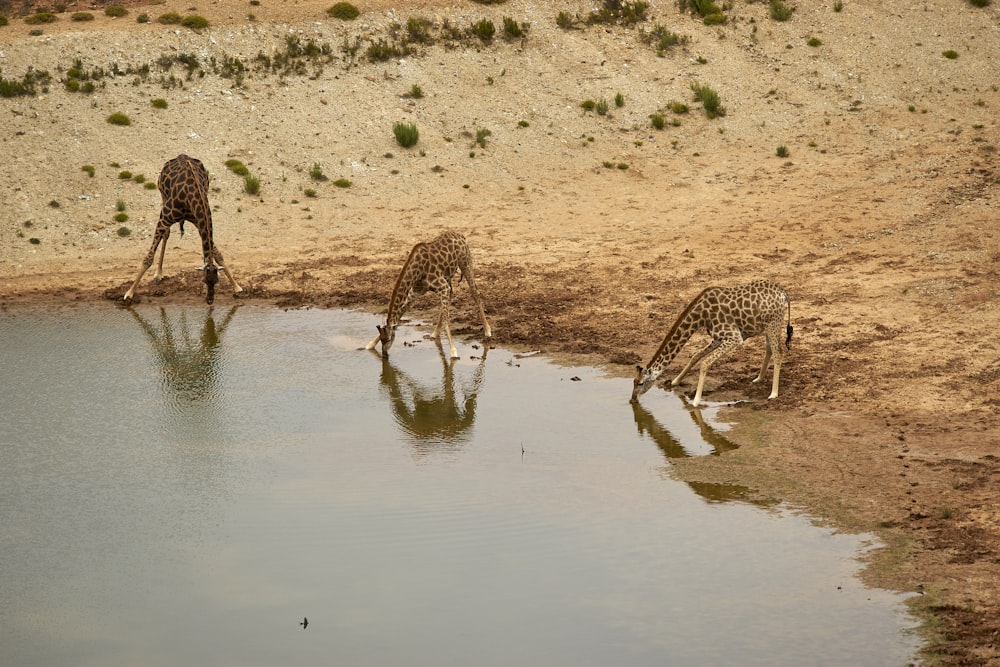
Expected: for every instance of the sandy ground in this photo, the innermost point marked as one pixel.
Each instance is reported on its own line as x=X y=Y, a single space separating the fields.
x=591 y=232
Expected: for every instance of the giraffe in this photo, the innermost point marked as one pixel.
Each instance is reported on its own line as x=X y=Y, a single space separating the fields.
x=731 y=315
x=430 y=267
x=183 y=184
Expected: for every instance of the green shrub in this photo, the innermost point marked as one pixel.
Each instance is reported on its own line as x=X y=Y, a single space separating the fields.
x=120 y=205
x=588 y=105
x=342 y=183
x=124 y=231
x=344 y=11
x=979 y=3
x=679 y=107
x=416 y=92
x=513 y=30
x=484 y=30
x=251 y=184
x=316 y=172
x=523 y=123
x=81 y=16
x=3 y=20
x=565 y=20
x=481 y=135
x=115 y=11
x=149 y=185
x=779 y=11
x=709 y=99
x=309 y=192
x=142 y=18
x=125 y=175
x=119 y=118
x=657 y=120
x=89 y=168
x=619 y=100
x=159 y=103
x=194 y=22
x=406 y=134
x=782 y=151
x=170 y=18
x=121 y=217
x=40 y=17
x=601 y=107
x=814 y=41
x=950 y=54
x=139 y=178
x=237 y=167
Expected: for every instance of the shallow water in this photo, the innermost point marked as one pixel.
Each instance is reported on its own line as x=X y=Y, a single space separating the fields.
x=184 y=485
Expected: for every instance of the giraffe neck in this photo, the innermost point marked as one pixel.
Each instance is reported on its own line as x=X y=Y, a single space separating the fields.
x=402 y=292
x=679 y=335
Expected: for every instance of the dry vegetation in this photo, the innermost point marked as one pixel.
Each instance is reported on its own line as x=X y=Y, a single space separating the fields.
x=851 y=157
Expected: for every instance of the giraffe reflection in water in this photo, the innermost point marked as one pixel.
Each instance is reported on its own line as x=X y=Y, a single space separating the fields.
x=188 y=363
x=649 y=426
x=434 y=416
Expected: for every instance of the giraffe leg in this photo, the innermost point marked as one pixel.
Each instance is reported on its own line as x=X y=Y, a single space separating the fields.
x=222 y=265
x=444 y=318
x=694 y=360
x=469 y=278
x=774 y=340
x=725 y=346
x=767 y=360
x=147 y=261
x=158 y=275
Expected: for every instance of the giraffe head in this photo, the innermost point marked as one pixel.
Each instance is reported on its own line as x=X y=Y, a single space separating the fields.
x=211 y=279
x=645 y=378
x=386 y=334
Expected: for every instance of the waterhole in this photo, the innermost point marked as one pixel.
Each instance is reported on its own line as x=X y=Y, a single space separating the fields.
x=185 y=485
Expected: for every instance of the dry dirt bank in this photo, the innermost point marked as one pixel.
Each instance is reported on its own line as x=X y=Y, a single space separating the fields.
x=880 y=222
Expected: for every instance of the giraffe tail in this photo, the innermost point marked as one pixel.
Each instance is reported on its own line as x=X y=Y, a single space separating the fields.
x=788 y=325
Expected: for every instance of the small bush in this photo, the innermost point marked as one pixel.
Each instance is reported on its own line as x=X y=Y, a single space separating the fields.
x=309 y=192
x=406 y=134
x=159 y=103
x=121 y=217
x=484 y=30
x=115 y=11
x=979 y=3
x=124 y=231
x=513 y=30
x=838 y=6
x=125 y=175
x=170 y=18
x=316 y=172
x=139 y=178
x=601 y=107
x=588 y=105
x=89 y=168
x=342 y=183
x=950 y=54
x=782 y=151
x=237 y=167
x=565 y=20
x=814 y=41
x=194 y=22
x=416 y=92
x=679 y=108
x=34 y=241
x=3 y=20
x=120 y=205
x=149 y=185
x=81 y=16
x=657 y=120
x=523 y=123
x=40 y=17
x=619 y=100
x=142 y=18
x=780 y=11
x=344 y=11
x=119 y=118
x=251 y=185
x=709 y=99
x=481 y=135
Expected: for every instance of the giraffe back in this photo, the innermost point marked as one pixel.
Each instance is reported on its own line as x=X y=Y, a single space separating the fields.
x=183 y=184
x=750 y=308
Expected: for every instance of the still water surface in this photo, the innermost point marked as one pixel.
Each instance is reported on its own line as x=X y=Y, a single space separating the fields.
x=182 y=486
